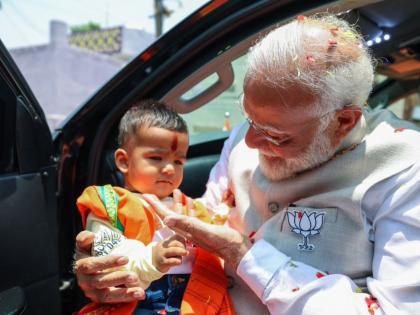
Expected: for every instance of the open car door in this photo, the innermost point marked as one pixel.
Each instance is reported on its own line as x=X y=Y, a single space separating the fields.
x=28 y=229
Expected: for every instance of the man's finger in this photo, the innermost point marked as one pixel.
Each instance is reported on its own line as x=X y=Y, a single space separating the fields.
x=188 y=225
x=177 y=206
x=191 y=211
x=175 y=243
x=175 y=252
x=161 y=209
x=182 y=233
x=202 y=234
x=174 y=240
x=116 y=295
x=170 y=262
x=84 y=241
x=92 y=265
x=113 y=279
x=190 y=203
x=177 y=196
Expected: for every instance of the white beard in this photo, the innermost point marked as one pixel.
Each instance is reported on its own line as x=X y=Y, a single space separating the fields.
x=319 y=151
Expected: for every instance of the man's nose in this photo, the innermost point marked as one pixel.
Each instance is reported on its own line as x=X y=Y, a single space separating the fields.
x=254 y=139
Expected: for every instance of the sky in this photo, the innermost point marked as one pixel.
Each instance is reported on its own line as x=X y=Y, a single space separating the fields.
x=26 y=22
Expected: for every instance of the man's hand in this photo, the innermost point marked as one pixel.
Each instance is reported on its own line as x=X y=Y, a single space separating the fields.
x=223 y=241
x=181 y=204
x=100 y=286
x=168 y=253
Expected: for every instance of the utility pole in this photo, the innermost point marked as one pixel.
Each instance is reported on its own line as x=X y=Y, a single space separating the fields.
x=160 y=13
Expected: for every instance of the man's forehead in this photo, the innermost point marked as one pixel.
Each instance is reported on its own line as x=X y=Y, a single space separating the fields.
x=261 y=93
x=281 y=112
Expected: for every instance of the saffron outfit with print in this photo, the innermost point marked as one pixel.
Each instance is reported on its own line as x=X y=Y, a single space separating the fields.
x=124 y=224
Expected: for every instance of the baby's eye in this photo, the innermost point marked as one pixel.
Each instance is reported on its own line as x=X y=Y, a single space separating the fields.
x=155 y=158
x=179 y=162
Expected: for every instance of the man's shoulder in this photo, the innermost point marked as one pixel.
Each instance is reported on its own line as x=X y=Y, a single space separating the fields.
x=385 y=118
x=386 y=128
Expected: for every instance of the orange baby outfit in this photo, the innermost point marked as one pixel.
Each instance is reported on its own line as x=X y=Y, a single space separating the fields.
x=206 y=292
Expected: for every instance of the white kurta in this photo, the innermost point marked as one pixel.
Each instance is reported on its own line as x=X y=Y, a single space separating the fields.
x=391 y=219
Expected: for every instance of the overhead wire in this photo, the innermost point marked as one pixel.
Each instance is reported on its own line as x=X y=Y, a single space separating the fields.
x=16 y=25
x=26 y=20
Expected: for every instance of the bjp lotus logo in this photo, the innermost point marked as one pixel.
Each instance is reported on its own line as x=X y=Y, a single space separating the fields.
x=305 y=225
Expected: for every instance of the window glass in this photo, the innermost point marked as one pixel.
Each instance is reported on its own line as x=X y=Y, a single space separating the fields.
x=222 y=113
x=200 y=87
x=407 y=108
x=68 y=49
x=379 y=78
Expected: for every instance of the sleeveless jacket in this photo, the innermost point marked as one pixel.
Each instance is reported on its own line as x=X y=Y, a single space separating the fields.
x=316 y=217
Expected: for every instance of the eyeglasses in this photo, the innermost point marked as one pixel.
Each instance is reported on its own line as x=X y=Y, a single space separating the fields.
x=267 y=132
x=261 y=130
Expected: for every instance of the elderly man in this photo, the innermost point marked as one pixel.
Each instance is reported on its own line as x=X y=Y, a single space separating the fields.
x=327 y=216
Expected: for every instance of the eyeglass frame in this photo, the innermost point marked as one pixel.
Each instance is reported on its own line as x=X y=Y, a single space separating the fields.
x=263 y=131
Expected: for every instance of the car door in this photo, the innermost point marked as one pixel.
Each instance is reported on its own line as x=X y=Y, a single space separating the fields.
x=28 y=234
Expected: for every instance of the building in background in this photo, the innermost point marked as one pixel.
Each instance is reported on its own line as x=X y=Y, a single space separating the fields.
x=66 y=71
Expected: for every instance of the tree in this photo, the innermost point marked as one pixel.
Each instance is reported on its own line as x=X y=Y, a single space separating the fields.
x=90 y=26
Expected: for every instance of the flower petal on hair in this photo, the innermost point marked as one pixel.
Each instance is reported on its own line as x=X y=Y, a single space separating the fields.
x=301 y=18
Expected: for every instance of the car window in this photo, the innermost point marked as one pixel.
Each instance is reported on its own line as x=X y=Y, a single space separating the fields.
x=407 y=108
x=379 y=78
x=68 y=49
x=222 y=113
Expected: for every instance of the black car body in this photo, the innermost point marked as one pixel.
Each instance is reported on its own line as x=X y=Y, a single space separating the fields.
x=41 y=174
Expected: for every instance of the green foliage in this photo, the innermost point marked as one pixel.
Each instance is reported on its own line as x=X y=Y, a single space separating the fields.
x=90 y=26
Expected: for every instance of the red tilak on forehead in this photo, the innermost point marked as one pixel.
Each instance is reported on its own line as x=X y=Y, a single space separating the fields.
x=174 y=145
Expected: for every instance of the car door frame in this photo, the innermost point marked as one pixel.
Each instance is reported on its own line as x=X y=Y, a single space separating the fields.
x=28 y=209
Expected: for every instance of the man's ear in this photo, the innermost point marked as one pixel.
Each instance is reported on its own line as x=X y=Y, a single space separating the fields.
x=346 y=119
x=121 y=160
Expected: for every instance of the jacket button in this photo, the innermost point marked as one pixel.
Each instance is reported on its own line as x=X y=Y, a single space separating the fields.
x=273 y=207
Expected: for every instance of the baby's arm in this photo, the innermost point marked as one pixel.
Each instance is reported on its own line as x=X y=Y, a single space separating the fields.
x=110 y=241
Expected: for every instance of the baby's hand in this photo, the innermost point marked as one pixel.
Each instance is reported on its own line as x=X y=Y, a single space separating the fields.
x=168 y=253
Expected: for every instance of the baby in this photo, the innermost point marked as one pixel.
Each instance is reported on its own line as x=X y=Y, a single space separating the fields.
x=153 y=144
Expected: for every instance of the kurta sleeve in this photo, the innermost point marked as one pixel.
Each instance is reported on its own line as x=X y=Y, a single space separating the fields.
x=110 y=241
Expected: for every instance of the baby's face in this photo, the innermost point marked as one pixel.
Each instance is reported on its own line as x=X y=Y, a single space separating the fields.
x=156 y=161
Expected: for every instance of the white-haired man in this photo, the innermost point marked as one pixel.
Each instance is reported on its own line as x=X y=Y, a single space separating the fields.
x=327 y=216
